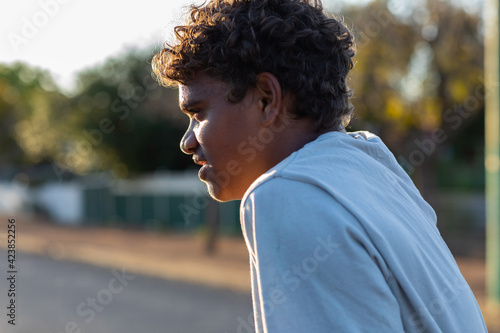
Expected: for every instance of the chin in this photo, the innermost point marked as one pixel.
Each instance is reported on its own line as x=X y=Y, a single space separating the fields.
x=221 y=194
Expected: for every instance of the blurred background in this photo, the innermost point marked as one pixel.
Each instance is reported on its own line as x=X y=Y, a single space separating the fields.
x=90 y=165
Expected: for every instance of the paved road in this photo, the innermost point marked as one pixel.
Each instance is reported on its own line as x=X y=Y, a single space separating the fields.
x=62 y=297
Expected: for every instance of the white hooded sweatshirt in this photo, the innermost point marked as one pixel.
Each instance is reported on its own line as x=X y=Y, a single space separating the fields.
x=341 y=240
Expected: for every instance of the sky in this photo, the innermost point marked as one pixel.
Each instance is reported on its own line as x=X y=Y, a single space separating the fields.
x=66 y=36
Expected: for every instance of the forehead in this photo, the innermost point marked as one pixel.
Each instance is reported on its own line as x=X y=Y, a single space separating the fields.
x=201 y=88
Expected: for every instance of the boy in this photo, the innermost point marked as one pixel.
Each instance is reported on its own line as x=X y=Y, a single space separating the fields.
x=340 y=240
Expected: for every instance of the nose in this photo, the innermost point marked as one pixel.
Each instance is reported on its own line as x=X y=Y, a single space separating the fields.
x=189 y=143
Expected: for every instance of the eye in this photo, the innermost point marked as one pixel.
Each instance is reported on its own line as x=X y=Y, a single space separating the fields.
x=196 y=113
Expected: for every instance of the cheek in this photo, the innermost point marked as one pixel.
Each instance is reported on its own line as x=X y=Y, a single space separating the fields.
x=213 y=139
x=220 y=138
x=202 y=132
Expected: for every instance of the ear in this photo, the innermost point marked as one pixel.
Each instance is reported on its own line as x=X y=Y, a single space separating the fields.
x=270 y=97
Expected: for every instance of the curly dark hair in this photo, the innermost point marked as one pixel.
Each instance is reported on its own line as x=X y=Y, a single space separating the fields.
x=233 y=41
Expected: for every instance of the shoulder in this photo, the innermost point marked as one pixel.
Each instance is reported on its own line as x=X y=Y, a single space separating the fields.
x=284 y=190
x=285 y=207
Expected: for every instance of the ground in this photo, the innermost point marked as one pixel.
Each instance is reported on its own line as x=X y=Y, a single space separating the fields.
x=174 y=256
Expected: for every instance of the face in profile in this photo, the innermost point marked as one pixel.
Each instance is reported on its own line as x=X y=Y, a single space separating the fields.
x=217 y=134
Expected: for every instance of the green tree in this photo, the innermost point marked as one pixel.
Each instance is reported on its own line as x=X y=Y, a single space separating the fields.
x=418 y=79
x=130 y=124
x=34 y=116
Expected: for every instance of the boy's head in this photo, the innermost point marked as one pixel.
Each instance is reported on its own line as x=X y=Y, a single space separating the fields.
x=234 y=40
x=290 y=48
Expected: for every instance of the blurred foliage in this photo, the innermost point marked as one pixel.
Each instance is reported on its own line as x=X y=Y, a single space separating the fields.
x=120 y=120
x=418 y=69
x=461 y=163
x=410 y=69
x=419 y=73
x=133 y=124
x=34 y=116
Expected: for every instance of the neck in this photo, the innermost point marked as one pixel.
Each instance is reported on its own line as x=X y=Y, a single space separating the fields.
x=288 y=138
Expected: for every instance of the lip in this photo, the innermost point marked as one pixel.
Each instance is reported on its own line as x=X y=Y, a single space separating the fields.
x=203 y=170
x=202 y=173
x=199 y=161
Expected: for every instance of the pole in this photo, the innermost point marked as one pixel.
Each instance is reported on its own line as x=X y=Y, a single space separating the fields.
x=492 y=153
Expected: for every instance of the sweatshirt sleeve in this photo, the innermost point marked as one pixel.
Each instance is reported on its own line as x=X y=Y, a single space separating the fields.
x=313 y=266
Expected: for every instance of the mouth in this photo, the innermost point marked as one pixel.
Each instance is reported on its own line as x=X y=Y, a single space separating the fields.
x=203 y=170
x=199 y=161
